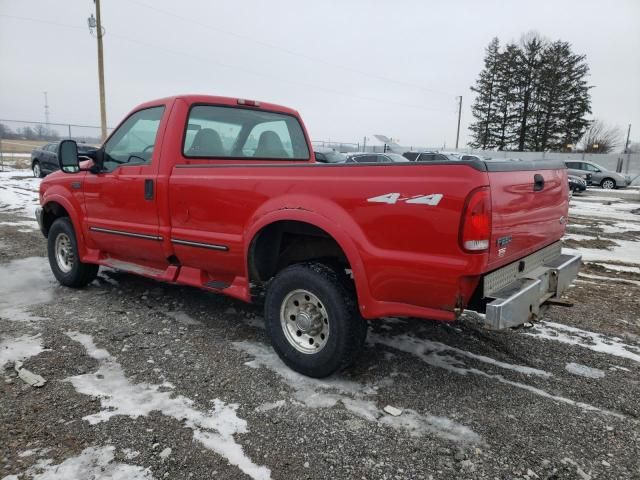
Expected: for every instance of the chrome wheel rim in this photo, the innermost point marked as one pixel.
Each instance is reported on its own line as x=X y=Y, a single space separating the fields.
x=608 y=184
x=36 y=170
x=305 y=321
x=64 y=253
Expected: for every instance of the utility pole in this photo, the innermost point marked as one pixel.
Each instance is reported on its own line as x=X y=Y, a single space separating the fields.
x=459 y=115
x=97 y=24
x=626 y=144
x=46 y=110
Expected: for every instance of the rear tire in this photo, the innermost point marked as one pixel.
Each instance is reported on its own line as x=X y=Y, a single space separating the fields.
x=63 y=255
x=608 y=184
x=312 y=320
x=37 y=170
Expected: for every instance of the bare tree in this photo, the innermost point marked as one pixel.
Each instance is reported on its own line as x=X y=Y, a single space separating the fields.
x=601 y=138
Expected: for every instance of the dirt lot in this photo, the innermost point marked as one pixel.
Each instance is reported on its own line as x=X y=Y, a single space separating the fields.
x=146 y=380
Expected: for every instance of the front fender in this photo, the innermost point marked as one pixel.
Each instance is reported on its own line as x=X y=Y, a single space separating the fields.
x=57 y=194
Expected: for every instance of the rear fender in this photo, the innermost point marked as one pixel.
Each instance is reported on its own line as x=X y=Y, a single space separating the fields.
x=325 y=215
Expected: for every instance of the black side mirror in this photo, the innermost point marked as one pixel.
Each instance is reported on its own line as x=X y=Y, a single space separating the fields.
x=68 y=156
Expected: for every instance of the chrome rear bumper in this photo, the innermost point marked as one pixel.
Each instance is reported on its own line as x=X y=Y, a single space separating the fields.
x=524 y=298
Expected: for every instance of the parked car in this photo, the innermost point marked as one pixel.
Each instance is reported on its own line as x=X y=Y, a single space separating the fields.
x=599 y=175
x=576 y=184
x=368 y=157
x=427 y=156
x=328 y=155
x=44 y=160
x=464 y=156
x=322 y=248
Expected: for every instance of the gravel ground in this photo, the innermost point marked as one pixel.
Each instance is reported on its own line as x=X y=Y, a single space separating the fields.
x=147 y=380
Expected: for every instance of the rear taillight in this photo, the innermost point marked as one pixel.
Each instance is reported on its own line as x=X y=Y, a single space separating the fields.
x=475 y=229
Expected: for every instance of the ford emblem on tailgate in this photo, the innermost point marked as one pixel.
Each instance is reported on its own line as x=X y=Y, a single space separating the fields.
x=502 y=244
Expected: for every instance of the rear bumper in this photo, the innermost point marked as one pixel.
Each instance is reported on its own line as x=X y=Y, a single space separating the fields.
x=523 y=299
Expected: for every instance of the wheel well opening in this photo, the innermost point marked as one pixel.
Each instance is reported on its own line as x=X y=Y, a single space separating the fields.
x=50 y=213
x=286 y=242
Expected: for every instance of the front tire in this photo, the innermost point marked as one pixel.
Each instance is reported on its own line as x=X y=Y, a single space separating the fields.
x=63 y=255
x=37 y=170
x=608 y=184
x=312 y=320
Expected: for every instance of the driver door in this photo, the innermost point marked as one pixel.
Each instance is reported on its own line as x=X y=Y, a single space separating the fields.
x=122 y=214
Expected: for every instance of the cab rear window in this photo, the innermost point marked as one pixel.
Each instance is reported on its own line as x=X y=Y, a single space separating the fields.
x=214 y=131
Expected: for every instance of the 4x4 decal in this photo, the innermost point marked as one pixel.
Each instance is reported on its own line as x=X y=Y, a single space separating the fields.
x=393 y=198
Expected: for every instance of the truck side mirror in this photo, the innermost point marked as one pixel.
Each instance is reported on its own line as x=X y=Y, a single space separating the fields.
x=68 y=156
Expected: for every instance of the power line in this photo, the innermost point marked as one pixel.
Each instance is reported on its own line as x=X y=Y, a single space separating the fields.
x=242 y=68
x=287 y=50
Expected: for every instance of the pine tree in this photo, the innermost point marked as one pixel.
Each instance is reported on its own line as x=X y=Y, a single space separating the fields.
x=484 y=110
x=505 y=97
x=527 y=78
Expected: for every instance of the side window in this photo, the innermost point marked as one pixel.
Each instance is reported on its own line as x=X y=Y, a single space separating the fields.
x=591 y=168
x=413 y=156
x=132 y=143
x=228 y=132
x=426 y=157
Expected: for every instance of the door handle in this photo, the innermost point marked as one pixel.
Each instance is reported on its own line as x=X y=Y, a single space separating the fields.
x=148 y=189
x=538 y=182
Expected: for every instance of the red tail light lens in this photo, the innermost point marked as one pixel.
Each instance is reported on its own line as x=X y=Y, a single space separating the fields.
x=475 y=230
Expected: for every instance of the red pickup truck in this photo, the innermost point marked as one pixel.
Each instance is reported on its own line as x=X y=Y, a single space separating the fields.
x=225 y=195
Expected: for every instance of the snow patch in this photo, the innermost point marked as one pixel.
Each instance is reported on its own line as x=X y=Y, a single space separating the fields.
x=432 y=354
x=583 y=370
x=618 y=268
x=418 y=346
x=625 y=251
x=183 y=318
x=17 y=349
x=118 y=396
x=95 y=463
x=583 y=338
x=609 y=279
x=164 y=454
x=265 y=407
x=31 y=283
x=19 y=193
x=328 y=392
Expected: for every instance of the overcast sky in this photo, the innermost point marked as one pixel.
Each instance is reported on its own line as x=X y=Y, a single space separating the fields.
x=352 y=68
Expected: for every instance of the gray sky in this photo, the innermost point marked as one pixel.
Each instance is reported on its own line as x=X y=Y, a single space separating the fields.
x=352 y=68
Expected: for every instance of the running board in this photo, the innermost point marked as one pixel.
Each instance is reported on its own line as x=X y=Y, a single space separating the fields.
x=217 y=284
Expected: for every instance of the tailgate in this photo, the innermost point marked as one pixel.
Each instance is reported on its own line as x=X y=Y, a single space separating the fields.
x=529 y=207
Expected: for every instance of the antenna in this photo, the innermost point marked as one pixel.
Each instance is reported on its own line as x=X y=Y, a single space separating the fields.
x=46 y=109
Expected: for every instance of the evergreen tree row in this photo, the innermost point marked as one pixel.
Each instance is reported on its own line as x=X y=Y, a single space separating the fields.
x=530 y=96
